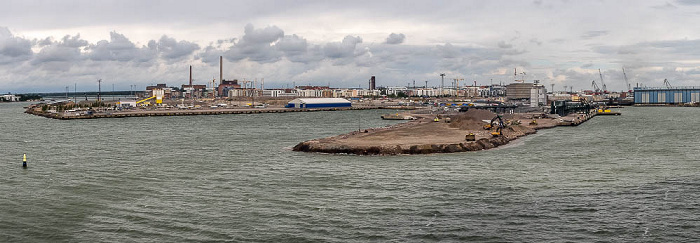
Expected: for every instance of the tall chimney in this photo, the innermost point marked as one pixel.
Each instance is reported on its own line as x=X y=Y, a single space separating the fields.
x=190 y=76
x=221 y=69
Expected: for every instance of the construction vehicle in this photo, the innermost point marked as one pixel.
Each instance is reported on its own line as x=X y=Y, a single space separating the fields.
x=496 y=126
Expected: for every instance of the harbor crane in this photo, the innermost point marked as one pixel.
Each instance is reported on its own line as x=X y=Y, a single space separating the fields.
x=626 y=82
x=602 y=83
x=667 y=84
x=595 y=86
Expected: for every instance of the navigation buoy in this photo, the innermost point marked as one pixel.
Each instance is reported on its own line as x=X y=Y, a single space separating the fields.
x=24 y=161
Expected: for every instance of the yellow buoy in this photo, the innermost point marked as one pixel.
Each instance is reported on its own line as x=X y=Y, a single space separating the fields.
x=24 y=161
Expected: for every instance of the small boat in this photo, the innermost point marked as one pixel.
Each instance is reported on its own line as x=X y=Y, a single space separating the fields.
x=397 y=116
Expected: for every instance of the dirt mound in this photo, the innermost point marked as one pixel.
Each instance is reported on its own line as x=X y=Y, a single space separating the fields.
x=472 y=119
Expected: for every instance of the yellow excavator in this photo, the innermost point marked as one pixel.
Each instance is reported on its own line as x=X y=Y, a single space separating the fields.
x=496 y=126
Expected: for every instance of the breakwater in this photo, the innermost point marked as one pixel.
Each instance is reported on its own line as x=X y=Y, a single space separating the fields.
x=144 y=113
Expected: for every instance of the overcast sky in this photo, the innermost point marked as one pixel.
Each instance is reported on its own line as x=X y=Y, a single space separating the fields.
x=48 y=45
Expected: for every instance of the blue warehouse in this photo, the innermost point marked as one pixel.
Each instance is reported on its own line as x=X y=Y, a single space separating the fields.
x=666 y=95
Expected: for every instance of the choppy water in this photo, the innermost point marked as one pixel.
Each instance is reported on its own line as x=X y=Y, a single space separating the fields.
x=233 y=178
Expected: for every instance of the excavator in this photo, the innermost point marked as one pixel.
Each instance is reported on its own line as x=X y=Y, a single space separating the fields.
x=496 y=126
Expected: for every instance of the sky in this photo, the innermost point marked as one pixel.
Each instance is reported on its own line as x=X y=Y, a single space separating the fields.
x=46 y=46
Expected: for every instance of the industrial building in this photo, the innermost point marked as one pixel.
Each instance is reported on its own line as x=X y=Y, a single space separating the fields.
x=318 y=103
x=666 y=95
x=533 y=92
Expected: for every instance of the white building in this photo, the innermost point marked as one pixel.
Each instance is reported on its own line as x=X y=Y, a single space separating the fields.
x=429 y=92
x=10 y=97
x=396 y=90
x=272 y=92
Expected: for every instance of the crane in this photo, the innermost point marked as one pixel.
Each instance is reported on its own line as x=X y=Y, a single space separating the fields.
x=602 y=83
x=667 y=84
x=595 y=86
x=626 y=82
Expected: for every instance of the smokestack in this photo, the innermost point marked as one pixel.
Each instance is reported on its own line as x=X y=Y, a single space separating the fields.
x=190 y=76
x=221 y=69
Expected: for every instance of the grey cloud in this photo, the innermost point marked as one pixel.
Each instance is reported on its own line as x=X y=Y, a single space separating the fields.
x=688 y=2
x=292 y=45
x=254 y=36
x=448 y=51
x=256 y=45
x=45 y=42
x=558 y=41
x=73 y=41
x=170 y=48
x=680 y=48
x=220 y=43
x=13 y=48
x=395 y=38
x=677 y=46
x=343 y=49
x=210 y=55
x=297 y=49
x=504 y=45
x=593 y=34
x=120 y=48
x=665 y=6
x=56 y=53
x=61 y=55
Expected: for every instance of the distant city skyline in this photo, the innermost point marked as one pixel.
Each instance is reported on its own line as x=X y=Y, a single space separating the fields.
x=48 y=45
